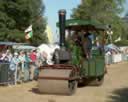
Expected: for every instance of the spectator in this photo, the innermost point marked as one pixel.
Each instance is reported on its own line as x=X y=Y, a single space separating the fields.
x=26 y=67
x=33 y=66
x=21 y=66
x=13 y=69
x=6 y=56
x=9 y=55
x=108 y=56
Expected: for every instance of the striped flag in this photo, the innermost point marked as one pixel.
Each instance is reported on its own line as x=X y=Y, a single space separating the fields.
x=28 y=32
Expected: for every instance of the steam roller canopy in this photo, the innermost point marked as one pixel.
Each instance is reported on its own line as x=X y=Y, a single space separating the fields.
x=56 y=81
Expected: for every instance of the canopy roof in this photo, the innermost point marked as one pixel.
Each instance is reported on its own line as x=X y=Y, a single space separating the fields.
x=112 y=47
x=11 y=43
x=23 y=47
x=81 y=24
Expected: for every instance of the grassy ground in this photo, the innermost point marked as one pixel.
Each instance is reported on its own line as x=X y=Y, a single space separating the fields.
x=114 y=89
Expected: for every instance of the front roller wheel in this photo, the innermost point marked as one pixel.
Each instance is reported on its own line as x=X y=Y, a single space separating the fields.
x=56 y=81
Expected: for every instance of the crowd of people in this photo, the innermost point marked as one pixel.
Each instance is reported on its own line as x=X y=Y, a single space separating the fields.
x=23 y=65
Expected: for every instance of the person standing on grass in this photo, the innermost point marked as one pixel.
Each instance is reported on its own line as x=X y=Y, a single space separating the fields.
x=21 y=66
x=26 y=67
x=13 y=69
x=33 y=57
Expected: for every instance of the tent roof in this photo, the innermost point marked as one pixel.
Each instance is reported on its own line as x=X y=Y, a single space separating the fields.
x=24 y=47
x=11 y=43
x=79 y=24
x=112 y=46
x=7 y=43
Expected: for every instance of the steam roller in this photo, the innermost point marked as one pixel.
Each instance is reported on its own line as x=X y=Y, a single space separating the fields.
x=57 y=79
x=71 y=64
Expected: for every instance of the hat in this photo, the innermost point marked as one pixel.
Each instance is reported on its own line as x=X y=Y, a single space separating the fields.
x=7 y=51
x=16 y=54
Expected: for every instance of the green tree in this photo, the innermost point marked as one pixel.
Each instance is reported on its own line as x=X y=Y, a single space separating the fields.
x=125 y=33
x=17 y=15
x=105 y=12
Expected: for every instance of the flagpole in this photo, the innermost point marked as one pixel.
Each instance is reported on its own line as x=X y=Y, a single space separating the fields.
x=27 y=40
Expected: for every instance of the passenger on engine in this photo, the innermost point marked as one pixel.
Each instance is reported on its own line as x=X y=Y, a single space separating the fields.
x=86 y=44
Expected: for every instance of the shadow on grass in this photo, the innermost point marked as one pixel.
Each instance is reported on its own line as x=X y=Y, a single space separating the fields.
x=120 y=95
x=35 y=90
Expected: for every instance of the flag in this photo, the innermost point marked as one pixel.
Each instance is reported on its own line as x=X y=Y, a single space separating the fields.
x=118 y=39
x=28 y=29
x=28 y=32
x=49 y=34
x=28 y=35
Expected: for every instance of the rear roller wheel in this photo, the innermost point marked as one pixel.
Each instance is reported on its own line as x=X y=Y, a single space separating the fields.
x=97 y=81
x=82 y=82
x=72 y=87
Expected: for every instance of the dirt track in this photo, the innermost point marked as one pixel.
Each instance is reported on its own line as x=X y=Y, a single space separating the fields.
x=114 y=89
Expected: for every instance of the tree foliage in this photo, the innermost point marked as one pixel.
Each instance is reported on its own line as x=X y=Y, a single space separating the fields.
x=105 y=12
x=125 y=32
x=17 y=15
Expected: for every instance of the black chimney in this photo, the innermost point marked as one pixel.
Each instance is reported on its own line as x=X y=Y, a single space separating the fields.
x=62 y=17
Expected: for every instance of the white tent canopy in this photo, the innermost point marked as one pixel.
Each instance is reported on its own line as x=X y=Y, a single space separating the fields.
x=48 y=49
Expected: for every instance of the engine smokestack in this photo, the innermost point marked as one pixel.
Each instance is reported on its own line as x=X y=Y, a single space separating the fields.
x=62 y=17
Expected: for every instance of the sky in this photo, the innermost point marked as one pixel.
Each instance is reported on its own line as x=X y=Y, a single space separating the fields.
x=126 y=6
x=53 y=6
x=51 y=11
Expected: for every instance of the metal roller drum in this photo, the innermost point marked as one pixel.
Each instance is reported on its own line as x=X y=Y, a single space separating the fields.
x=56 y=81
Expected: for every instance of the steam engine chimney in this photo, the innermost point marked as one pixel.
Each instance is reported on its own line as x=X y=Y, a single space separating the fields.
x=62 y=17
